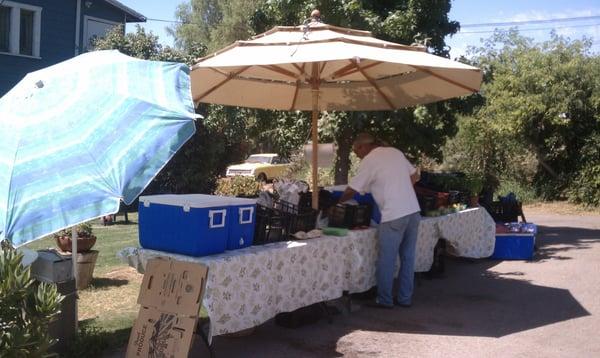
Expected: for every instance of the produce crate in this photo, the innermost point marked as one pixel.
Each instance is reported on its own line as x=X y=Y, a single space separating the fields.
x=505 y=212
x=350 y=216
x=431 y=199
x=282 y=220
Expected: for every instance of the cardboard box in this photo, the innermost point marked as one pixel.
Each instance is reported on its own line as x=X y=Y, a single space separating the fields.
x=170 y=298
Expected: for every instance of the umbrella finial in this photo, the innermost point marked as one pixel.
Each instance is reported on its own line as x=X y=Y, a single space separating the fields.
x=315 y=15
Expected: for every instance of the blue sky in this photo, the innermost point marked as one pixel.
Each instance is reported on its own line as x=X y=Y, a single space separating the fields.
x=467 y=12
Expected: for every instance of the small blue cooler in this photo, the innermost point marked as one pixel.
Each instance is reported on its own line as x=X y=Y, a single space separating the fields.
x=367 y=198
x=193 y=224
x=514 y=246
x=241 y=219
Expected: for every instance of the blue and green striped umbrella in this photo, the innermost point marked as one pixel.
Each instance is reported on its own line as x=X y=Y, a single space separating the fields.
x=79 y=136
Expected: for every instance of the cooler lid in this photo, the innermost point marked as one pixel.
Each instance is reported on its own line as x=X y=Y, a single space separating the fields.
x=336 y=188
x=189 y=200
x=240 y=201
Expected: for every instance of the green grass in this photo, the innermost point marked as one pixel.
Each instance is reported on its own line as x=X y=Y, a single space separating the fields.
x=108 y=307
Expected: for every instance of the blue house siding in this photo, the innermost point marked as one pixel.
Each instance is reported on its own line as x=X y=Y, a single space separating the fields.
x=57 y=38
x=57 y=41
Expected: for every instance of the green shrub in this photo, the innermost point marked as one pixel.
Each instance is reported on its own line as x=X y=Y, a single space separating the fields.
x=525 y=193
x=585 y=188
x=246 y=186
x=474 y=184
x=27 y=309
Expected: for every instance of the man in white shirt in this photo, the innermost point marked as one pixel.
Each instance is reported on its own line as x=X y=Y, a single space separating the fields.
x=389 y=177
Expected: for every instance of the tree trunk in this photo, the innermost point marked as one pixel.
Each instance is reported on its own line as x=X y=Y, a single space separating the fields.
x=342 y=159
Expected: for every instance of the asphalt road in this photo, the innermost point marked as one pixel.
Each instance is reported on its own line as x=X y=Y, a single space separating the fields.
x=546 y=307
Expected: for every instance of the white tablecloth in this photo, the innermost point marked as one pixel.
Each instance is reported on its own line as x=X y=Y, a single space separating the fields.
x=250 y=286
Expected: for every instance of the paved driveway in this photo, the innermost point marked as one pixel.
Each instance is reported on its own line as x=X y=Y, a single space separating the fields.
x=547 y=307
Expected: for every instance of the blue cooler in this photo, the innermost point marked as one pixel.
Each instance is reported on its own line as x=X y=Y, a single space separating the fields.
x=514 y=246
x=241 y=219
x=367 y=198
x=194 y=224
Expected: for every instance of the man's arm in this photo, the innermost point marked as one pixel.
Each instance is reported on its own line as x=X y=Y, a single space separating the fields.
x=415 y=176
x=347 y=195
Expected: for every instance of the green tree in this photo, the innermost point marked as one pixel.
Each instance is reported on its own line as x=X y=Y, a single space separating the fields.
x=145 y=46
x=544 y=96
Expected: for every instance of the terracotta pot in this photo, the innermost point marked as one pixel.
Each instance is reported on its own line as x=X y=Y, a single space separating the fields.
x=473 y=201
x=84 y=244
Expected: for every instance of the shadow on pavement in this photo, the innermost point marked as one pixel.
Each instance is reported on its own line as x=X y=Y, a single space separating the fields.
x=554 y=242
x=469 y=301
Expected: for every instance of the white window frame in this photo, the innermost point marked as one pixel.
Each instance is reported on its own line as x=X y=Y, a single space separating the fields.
x=85 y=28
x=15 y=28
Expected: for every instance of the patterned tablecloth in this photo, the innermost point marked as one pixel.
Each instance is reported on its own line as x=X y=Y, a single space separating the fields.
x=250 y=286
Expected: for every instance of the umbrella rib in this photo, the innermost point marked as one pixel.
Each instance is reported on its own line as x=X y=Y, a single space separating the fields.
x=374 y=84
x=297 y=89
x=281 y=70
x=457 y=84
x=342 y=71
x=214 y=88
x=323 y=68
x=350 y=69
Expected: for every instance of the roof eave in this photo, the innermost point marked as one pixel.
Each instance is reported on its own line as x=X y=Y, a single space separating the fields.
x=130 y=14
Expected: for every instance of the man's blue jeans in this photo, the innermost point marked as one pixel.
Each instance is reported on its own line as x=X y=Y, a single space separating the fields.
x=397 y=237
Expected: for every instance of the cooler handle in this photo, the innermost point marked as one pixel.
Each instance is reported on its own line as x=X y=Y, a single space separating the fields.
x=212 y=214
x=250 y=211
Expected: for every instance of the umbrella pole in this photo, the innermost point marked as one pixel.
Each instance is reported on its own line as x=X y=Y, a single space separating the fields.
x=315 y=148
x=315 y=135
x=74 y=259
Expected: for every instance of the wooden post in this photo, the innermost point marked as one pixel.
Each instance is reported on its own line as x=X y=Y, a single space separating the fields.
x=74 y=259
x=315 y=135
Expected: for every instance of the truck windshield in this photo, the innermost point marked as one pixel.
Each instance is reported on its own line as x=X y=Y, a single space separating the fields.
x=259 y=159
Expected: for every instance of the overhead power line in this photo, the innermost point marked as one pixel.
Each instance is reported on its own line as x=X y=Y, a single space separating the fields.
x=530 y=29
x=528 y=22
x=161 y=20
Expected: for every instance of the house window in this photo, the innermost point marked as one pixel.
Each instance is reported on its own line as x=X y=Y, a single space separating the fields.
x=20 y=28
x=4 y=29
x=95 y=28
x=26 y=33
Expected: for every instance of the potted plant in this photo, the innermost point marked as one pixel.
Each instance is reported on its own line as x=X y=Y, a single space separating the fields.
x=85 y=239
x=86 y=257
x=474 y=185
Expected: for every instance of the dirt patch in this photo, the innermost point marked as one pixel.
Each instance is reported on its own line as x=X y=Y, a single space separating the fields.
x=124 y=273
x=559 y=207
x=111 y=294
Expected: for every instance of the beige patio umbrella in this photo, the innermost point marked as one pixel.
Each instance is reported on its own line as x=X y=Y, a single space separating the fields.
x=318 y=67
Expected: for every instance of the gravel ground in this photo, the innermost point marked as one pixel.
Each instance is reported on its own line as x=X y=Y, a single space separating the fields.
x=546 y=307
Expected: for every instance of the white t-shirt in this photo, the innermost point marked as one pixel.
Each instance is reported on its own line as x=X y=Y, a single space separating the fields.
x=385 y=173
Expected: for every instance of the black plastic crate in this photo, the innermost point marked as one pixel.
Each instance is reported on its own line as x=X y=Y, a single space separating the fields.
x=282 y=221
x=350 y=216
x=505 y=211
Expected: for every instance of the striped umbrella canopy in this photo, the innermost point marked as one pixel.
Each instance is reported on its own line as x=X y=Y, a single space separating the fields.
x=78 y=137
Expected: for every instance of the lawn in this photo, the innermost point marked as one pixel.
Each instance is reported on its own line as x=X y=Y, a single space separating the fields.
x=108 y=307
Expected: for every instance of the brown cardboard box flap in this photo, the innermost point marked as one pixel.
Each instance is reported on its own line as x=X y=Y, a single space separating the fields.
x=173 y=286
x=160 y=334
